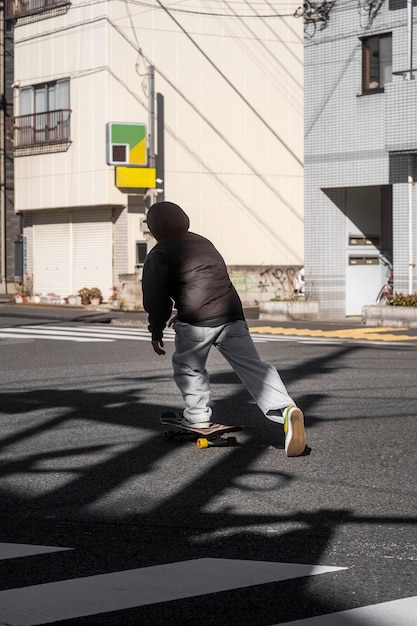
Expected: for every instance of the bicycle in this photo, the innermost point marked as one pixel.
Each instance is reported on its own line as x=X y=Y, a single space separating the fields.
x=387 y=289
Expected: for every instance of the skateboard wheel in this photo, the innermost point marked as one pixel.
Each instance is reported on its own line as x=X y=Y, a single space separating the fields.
x=169 y=434
x=231 y=441
x=202 y=443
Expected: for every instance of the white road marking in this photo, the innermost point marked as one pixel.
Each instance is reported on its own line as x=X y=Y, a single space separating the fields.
x=96 y=334
x=103 y=330
x=53 y=337
x=92 y=595
x=103 y=334
x=78 y=333
x=17 y=550
x=402 y=612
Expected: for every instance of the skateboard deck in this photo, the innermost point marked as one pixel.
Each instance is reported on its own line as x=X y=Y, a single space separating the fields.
x=206 y=437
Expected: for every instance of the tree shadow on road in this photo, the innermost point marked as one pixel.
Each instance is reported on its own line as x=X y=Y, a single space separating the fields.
x=90 y=470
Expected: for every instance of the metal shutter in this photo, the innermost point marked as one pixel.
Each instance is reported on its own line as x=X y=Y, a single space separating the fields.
x=51 y=260
x=92 y=250
x=71 y=250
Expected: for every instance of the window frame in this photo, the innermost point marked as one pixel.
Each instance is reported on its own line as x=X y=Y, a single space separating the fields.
x=43 y=119
x=366 y=63
x=50 y=93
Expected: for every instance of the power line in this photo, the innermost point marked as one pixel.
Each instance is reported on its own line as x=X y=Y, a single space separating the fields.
x=212 y=13
x=232 y=86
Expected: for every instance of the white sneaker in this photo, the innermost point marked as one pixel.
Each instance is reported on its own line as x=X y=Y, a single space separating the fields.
x=295 y=436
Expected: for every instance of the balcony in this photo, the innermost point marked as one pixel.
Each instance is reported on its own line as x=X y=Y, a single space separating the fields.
x=22 y=8
x=39 y=132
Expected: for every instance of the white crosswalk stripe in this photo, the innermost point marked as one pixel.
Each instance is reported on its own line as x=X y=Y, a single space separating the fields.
x=115 y=591
x=80 y=333
x=93 y=595
x=402 y=612
x=98 y=333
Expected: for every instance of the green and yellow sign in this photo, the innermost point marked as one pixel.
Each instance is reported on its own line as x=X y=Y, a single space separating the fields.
x=126 y=144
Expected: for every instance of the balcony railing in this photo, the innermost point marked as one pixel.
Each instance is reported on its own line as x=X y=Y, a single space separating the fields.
x=37 y=129
x=20 y=8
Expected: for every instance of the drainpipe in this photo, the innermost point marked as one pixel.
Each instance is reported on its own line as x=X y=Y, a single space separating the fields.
x=410 y=158
x=410 y=223
x=410 y=75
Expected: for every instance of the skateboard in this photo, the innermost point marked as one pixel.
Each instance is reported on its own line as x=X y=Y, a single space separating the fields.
x=206 y=437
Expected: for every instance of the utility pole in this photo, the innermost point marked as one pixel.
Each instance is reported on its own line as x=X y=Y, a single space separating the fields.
x=3 y=279
x=160 y=159
x=151 y=193
x=156 y=161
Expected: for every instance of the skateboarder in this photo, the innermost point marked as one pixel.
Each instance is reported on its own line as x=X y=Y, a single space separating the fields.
x=186 y=271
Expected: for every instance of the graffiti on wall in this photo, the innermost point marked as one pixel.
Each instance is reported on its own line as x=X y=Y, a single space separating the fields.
x=243 y=283
x=280 y=280
x=273 y=282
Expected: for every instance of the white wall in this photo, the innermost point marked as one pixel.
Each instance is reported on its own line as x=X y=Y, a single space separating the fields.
x=233 y=92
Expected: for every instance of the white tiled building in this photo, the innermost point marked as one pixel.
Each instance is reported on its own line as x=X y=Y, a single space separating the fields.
x=231 y=79
x=360 y=147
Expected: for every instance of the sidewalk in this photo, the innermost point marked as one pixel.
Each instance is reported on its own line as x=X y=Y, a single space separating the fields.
x=350 y=328
x=107 y=314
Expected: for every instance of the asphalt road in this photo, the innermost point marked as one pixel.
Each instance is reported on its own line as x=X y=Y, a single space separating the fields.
x=102 y=521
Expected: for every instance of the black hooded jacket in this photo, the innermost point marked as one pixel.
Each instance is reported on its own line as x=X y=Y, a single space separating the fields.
x=186 y=271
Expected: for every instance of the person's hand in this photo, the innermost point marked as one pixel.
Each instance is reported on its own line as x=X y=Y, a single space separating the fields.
x=172 y=321
x=158 y=346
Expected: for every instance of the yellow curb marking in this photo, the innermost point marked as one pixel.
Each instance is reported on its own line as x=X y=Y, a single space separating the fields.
x=381 y=334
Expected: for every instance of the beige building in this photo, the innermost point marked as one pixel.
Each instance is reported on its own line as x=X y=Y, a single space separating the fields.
x=230 y=76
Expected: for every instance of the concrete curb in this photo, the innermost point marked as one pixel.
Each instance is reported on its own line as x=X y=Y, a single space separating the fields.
x=282 y=311
x=388 y=315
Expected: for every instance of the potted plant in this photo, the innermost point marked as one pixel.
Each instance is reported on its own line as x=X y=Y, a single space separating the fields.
x=95 y=296
x=84 y=293
x=114 y=295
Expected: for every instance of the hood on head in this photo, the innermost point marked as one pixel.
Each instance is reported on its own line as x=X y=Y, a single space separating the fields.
x=166 y=219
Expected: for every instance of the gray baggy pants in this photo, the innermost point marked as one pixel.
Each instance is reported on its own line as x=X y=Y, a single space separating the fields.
x=233 y=340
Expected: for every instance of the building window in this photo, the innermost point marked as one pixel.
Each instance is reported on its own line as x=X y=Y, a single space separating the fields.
x=141 y=252
x=44 y=115
x=376 y=62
